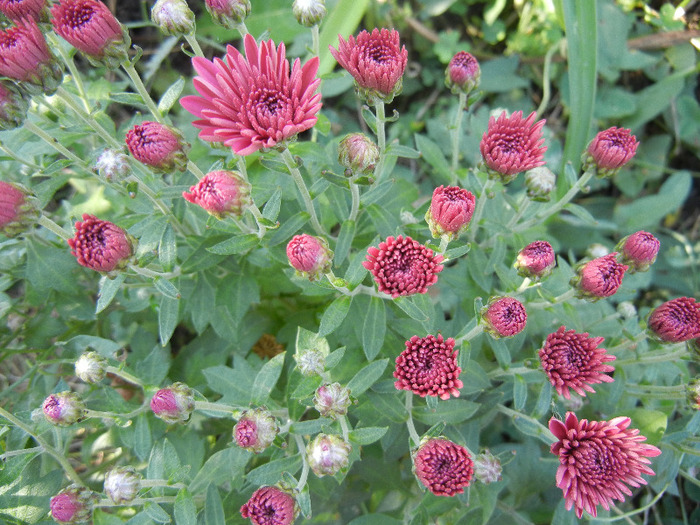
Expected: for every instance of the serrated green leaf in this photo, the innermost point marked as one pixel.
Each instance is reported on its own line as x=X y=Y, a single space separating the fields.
x=374 y=328
x=455 y=253
x=433 y=155
x=306 y=387
x=130 y=99
x=288 y=228
x=171 y=95
x=49 y=268
x=307 y=340
x=366 y=377
x=519 y=392
x=270 y=473
x=108 y=289
x=167 y=288
x=335 y=357
x=142 y=437
x=266 y=379
x=344 y=242
x=224 y=466
x=451 y=412
x=334 y=315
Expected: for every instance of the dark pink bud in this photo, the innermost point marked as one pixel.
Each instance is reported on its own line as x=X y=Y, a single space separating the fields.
x=221 y=193
x=73 y=504
x=255 y=430
x=161 y=147
x=504 y=317
x=599 y=278
x=375 y=60
x=309 y=256
x=536 y=260
x=18 y=210
x=444 y=467
x=270 y=506
x=428 y=367
x=228 y=13
x=402 y=266
x=610 y=150
x=676 y=321
x=639 y=251
x=63 y=409
x=101 y=245
x=19 y=10
x=173 y=404
x=463 y=73
x=512 y=145
x=450 y=211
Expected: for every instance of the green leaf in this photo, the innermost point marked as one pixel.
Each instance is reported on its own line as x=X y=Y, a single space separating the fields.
x=213 y=507
x=433 y=155
x=544 y=400
x=238 y=244
x=366 y=377
x=270 y=473
x=156 y=513
x=402 y=151
x=651 y=423
x=375 y=519
x=185 y=510
x=288 y=228
x=154 y=368
x=171 y=95
x=167 y=318
x=25 y=488
x=384 y=221
x=334 y=315
x=367 y=435
x=530 y=427
x=451 y=412
x=130 y=99
x=167 y=248
x=335 y=357
x=374 y=328
x=306 y=387
x=272 y=206
x=225 y=466
x=266 y=379
x=142 y=437
x=456 y=253
x=344 y=242
x=310 y=427
x=307 y=340
x=49 y=268
x=235 y=385
x=519 y=392
x=108 y=289
x=167 y=288
x=582 y=213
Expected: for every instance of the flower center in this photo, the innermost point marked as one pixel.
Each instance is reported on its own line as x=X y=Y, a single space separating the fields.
x=79 y=16
x=9 y=38
x=378 y=53
x=269 y=102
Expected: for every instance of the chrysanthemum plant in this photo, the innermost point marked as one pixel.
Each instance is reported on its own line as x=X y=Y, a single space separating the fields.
x=220 y=293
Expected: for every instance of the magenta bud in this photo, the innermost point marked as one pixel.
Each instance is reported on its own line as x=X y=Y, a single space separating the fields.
x=255 y=430
x=358 y=153
x=536 y=260
x=503 y=317
x=73 y=504
x=161 y=147
x=270 y=506
x=463 y=73
x=327 y=454
x=173 y=404
x=64 y=409
x=487 y=468
x=332 y=400
x=18 y=209
x=101 y=245
x=221 y=193
x=309 y=255
x=443 y=467
x=173 y=17
x=609 y=151
x=122 y=484
x=638 y=251
x=599 y=278
x=91 y=367
x=228 y=13
x=676 y=321
x=450 y=211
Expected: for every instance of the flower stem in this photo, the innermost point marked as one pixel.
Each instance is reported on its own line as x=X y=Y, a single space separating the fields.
x=192 y=41
x=344 y=427
x=523 y=205
x=136 y=501
x=523 y=286
x=194 y=169
x=510 y=371
x=455 y=133
x=214 y=407
x=315 y=46
x=478 y=328
x=53 y=142
x=43 y=444
x=558 y=299
x=658 y=357
x=161 y=483
x=66 y=97
x=381 y=136
x=409 y=422
x=515 y=414
x=75 y=74
x=12 y=453
x=138 y=84
x=480 y=203
x=305 y=464
x=444 y=241
x=355 y=193
x=126 y=376
x=150 y=273
x=242 y=28
x=16 y=158
x=255 y=212
x=55 y=228
x=299 y=180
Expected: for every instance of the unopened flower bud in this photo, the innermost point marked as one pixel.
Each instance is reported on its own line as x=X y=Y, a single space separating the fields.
x=327 y=454
x=18 y=209
x=332 y=400
x=228 y=13
x=255 y=430
x=503 y=317
x=358 y=153
x=122 y=484
x=112 y=165
x=536 y=260
x=221 y=193
x=540 y=183
x=310 y=256
x=443 y=467
x=675 y=321
x=173 y=17
x=693 y=394
x=311 y=362
x=487 y=468
x=19 y=10
x=73 y=504
x=63 y=409
x=101 y=245
x=639 y=251
x=91 y=367
x=161 y=147
x=450 y=212
x=599 y=278
x=463 y=73
x=13 y=106
x=309 y=12
x=609 y=151
x=173 y=404
x=627 y=310
x=270 y=506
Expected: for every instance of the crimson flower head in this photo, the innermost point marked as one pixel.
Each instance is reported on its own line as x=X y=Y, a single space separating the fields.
x=609 y=151
x=599 y=461
x=599 y=278
x=504 y=317
x=450 y=211
x=24 y=56
x=17 y=209
x=161 y=147
x=573 y=361
x=221 y=193
x=463 y=73
x=173 y=404
x=18 y=10
x=428 y=367
x=676 y=321
x=101 y=245
x=639 y=251
x=512 y=145
x=73 y=504
x=253 y=102
x=402 y=266
x=270 y=506
x=90 y=27
x=444 y=467
x=309 y=255
x=375 y=60
x=536 y=260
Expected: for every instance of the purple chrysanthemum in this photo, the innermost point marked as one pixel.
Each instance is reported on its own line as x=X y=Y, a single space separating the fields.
x=25 y=56
x=463 y=73
x=23 y=9
x=173 y=404
x=100 y=245
x=444 y=467
x=270 y=506
x=309 y=255
x=676 y=321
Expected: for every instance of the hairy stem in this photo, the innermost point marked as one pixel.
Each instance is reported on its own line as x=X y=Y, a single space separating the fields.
x=409 y=422
x=456 y=133
x=55 y=228
x=138 y=84
x=299 y=180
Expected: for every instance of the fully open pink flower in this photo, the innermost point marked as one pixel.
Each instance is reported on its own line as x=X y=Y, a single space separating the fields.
x=450 y=212
x=676 y=321
x=428 y=367
x=100 y=245
x=598 y=460
x=221 y=193
x=611 y=149
x=270 y=506
x=573 y=361
x=23 y=9
x=253 y=102
x=375 y=60
x=599 y=278
x=24 y=56
x=444 y=467
x=513 y=144
x=402 y=266
x=504 y=317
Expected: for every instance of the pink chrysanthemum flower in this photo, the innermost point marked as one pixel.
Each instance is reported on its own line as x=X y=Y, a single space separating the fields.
x=639 y=251
x=676 y=321
x=309 y=255
x=101 y=245
x=173 y=404
x=444 y=467
x=253 y=102
x=90 y=27
x=161 y=147
x=270 y=506
x=18 y=10
x=375 y=60
x=463 y=73
x=402 y=266
x=599 y=278
x=221 y=193
x=24 y=56
x=536 y=260
x=73 y=504
x=610 y=150
x=598 y=460
x=573 y=361
x=504 y=317
x=513 y=144
x=428 y=367
x=450 y=212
